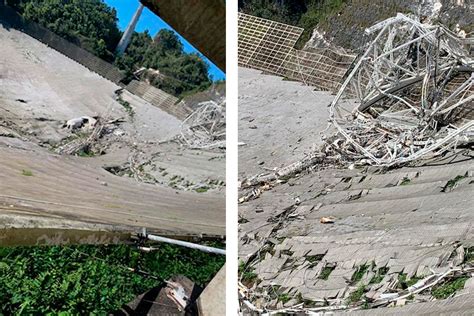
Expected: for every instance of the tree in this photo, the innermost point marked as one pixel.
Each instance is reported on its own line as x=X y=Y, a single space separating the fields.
x=167 y=41
x=303 y=13
x=182 y=73
x=277 y=10
x=134 y=56
x=92 y=25
x=89 y=23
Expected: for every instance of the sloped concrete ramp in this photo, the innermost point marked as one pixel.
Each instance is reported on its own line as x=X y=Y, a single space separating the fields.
x=66 y=198
x=66 y=188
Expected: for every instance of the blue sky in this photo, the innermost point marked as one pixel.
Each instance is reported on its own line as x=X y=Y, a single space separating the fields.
x=149 y=21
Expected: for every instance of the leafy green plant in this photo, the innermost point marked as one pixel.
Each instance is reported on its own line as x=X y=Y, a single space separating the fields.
x=403 y=283
x=469 y=254
x=359 y=273
x=85 y=153
x=84 y=280
x=126 y=105
x=313 y=260
x=378 y=277
x=249 y=277
x=284 y=298
x=202 y=189
x=247 y=274
x=324 y=275
x=356 y=296
x=446 y=289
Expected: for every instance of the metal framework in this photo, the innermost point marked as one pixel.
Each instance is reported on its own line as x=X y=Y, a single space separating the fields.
x=320 y=68
x=269 y=46
x=205 y=127
x=414 y=96
x=264 y=43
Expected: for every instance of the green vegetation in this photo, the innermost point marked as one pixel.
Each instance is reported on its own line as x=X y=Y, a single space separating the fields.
x=202 y=189
x=405 y=181
x=126 y=105
x=303 y=13
x=403 y=283
x=26 y=173
x=359 y=273
x=326 y=272
x=92 y=24
x=446 y=289
x=317 y=12
x=284 y=298
x=378 y=277
x=451 y=183
x=84 y=280
x=356 y=295
x=342 y=21
x=313 y=260
x=247 y=274
x=85 y=153
x=178 y=73
x=469 y=254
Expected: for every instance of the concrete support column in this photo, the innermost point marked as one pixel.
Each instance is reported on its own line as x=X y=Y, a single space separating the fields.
x=127 y=36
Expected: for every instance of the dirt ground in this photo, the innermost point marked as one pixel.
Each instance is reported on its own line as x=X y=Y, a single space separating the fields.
x=173 y=189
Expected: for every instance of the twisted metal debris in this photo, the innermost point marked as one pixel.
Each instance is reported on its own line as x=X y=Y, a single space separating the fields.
x=205 y=127
x=409 y=96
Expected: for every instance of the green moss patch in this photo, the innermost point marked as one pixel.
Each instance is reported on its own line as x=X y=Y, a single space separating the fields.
x=447 y=289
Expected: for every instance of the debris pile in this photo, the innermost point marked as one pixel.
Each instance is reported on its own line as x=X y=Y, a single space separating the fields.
x=86 y=133
x=409 y=96
x=392 y=294
x=205 y=127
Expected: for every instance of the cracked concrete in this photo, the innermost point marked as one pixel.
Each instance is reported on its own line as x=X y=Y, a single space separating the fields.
x=406 y=221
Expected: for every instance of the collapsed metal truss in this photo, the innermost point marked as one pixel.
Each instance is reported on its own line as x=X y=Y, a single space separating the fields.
x=414 y=96
x=269 y=46
x=205 y=127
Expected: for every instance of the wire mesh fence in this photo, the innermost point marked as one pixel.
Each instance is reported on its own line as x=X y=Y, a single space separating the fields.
x=269 y=46
x=159 y=98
